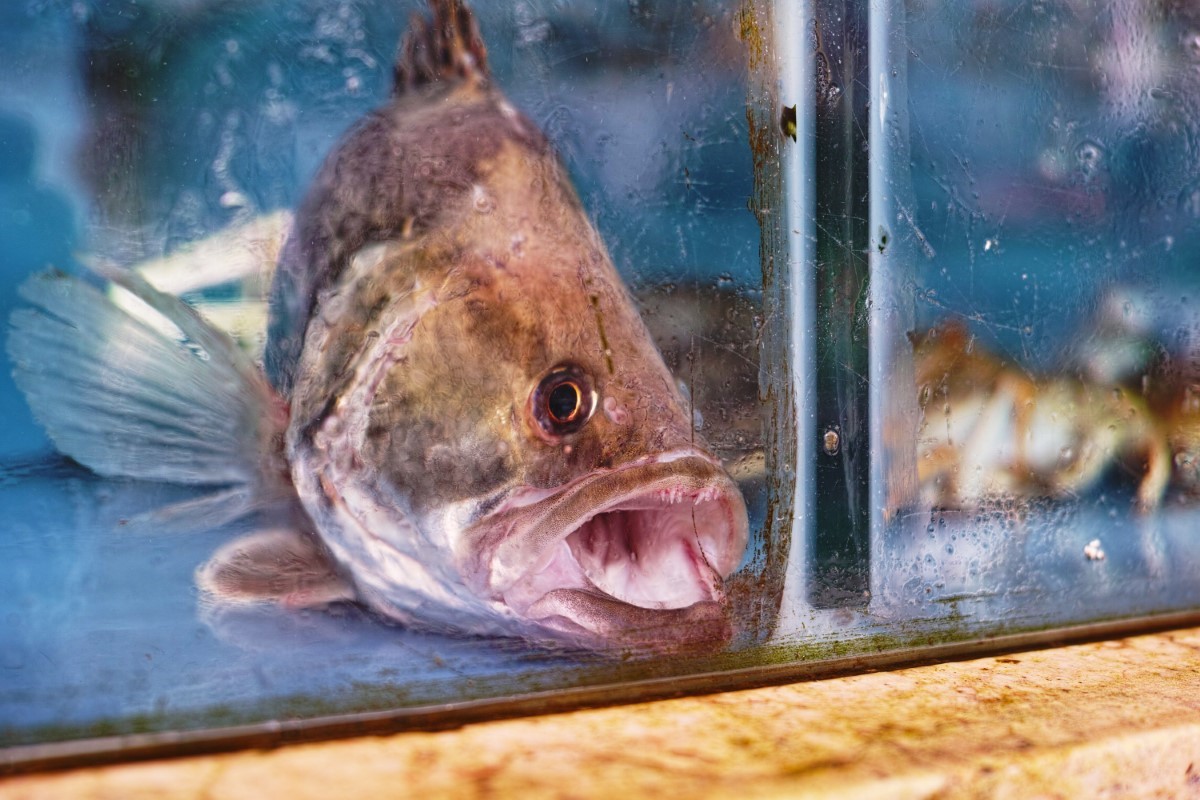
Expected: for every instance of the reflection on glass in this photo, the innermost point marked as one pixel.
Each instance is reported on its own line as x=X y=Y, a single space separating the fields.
x=468 y=465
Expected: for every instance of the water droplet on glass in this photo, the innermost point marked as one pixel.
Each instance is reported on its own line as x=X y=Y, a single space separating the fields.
x=482 y=200
x=233 y=199
x=1090 y=157
x=1191 y=45
x=1189 y=201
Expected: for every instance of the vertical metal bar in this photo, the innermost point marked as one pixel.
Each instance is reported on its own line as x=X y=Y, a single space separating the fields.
x=893 y=312
x=840 y=538
x=793 y=26
x=781 y=122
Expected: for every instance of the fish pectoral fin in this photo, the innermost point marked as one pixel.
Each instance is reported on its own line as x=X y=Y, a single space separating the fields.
x=284 y=566
x=132 y=383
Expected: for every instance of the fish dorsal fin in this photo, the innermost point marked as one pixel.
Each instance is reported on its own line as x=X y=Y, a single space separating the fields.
x=449 y=48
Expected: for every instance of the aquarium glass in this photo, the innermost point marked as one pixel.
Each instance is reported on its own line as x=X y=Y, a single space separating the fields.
x=924 y=273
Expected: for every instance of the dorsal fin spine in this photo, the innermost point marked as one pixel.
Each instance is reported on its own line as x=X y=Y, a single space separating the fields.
x=450 y=48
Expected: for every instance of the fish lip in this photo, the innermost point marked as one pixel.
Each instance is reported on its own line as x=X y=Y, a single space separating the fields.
x=585 y=616
x=547 y=556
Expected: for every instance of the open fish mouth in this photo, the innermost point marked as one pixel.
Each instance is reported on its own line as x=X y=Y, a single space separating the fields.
x=633 y=557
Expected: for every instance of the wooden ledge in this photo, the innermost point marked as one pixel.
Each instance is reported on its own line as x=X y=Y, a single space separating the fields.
x=1109 y=719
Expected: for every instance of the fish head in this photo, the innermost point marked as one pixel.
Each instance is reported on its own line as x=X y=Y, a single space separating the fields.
x=488 y=439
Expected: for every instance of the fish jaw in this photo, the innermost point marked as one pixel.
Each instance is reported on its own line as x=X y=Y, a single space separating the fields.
x=632 y=557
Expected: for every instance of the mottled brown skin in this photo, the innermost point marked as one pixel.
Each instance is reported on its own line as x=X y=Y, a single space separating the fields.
x=483 y=219
x=400 y=172
x=1181 y=418
x=949 y=368
x=440 y=270
x=521 y=283
x=1172 y=389
x=1104 y=424
x=947 y=362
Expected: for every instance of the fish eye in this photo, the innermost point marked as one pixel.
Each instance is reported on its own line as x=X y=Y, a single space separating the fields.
x=563 y=401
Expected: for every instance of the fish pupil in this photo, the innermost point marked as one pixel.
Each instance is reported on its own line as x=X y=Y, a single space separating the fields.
x=564 y=402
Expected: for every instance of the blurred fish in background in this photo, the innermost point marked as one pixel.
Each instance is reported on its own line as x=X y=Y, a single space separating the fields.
x=1048 y=284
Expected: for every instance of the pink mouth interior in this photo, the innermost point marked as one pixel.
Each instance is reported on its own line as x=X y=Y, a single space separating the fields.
x=659 y=552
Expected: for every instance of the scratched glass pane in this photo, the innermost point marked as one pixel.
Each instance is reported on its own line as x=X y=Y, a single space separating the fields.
x=136 y=131
x=1035 y=235
x=959 y=235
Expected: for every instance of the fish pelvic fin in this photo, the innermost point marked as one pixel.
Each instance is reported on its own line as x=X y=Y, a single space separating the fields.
x=448 y=48
x=282 y=566
x=131 y=382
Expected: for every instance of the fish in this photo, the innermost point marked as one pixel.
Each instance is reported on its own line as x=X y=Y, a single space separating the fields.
x=990 y=431
x=459 y=407
x=1148 y=340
